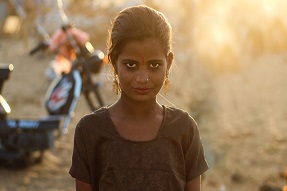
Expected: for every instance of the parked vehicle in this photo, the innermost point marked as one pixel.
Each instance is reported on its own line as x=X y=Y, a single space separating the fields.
x=20 y=138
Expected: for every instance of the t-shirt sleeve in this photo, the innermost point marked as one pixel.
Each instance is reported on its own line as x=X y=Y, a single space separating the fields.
x=194 y=154
x=80 y=164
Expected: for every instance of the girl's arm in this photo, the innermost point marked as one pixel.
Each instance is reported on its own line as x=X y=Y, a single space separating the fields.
x=194 y=185
x=82 y=186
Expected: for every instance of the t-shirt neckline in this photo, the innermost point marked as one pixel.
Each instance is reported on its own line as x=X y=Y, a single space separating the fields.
x=122 y=138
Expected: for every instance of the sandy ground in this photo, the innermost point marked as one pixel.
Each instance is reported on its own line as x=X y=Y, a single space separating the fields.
x=241 y=114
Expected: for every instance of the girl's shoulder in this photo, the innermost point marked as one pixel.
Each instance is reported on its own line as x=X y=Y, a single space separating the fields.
x=176 y=112
x=98 y=117
x=97 y=114
x=179 y=116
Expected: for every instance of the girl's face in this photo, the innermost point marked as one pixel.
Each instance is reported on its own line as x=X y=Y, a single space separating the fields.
x=141 y=68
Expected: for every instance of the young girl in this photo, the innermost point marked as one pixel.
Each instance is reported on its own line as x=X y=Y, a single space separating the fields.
x=136 y=143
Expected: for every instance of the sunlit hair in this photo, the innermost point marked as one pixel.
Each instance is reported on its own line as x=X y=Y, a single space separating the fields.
x=138 y=23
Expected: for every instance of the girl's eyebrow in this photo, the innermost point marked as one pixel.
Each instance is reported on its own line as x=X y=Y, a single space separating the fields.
x=156 y=60
x=136 y=61
x=128 y=60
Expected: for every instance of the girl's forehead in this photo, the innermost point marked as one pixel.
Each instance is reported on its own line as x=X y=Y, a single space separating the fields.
x=149 y=46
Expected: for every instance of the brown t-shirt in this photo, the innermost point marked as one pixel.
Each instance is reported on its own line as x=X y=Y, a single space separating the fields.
x=103 y=158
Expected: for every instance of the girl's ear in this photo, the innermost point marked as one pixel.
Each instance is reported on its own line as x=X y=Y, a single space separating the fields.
x=169 y=60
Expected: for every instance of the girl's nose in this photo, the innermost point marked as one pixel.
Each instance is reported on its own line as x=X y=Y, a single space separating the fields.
x=142 y=77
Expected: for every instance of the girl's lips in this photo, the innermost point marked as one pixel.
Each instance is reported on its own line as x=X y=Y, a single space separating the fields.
x=142 y=90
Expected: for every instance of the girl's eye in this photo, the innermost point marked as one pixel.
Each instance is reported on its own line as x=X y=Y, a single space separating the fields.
x=154 y=65
x=130 y=65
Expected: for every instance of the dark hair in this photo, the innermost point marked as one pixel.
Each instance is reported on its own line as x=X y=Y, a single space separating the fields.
x=138 y=23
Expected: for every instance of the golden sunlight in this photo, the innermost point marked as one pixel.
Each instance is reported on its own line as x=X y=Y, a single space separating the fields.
x=225 y=32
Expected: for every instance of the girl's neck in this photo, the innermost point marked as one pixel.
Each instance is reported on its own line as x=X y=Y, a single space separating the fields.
x=127 y=108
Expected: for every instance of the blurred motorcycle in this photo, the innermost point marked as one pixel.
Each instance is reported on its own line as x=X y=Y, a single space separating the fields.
x=20 y=138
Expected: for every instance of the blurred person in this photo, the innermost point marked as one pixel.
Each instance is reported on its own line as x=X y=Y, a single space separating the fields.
x=136 y=143
x=65 y=52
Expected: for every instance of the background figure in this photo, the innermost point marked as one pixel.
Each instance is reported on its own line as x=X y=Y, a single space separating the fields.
x=65 y=52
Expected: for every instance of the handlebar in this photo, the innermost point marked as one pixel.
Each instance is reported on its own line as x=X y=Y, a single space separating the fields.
x=40 y=46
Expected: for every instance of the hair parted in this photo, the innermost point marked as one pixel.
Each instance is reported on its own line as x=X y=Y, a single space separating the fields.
x=138 y=23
